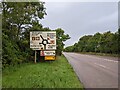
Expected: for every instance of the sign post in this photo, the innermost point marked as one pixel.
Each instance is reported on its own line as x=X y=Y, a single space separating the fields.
x=45 y=42
x=35 y=56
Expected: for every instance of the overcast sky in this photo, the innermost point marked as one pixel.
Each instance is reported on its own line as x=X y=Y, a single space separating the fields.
x=81 y=18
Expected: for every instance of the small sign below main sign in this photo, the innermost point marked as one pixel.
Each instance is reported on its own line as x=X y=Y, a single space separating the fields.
x=49 y=53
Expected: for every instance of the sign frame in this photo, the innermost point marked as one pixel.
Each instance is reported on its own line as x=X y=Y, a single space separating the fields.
x=43 y=40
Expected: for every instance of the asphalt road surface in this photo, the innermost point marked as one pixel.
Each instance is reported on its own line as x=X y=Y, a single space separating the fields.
x=95 y=71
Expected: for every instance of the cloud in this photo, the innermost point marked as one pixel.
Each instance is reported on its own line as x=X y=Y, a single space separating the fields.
x=109 y=18
x=78 y=19
x=56 y=6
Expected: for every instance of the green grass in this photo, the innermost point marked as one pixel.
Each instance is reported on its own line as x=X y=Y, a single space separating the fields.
x=50 y=74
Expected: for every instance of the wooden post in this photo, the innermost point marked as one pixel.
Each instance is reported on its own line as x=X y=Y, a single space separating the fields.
x=35 y=56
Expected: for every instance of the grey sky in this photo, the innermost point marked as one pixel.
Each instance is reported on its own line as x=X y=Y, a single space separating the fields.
x=81 y=18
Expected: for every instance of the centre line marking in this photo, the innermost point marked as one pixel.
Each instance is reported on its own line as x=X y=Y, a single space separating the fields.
x=111 y=60
x=104 y=59
x=100 y=65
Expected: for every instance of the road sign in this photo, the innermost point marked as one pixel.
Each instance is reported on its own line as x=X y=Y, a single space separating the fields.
x=42 y=53
x=49 y=57
x=47 y=53
x=43 y=40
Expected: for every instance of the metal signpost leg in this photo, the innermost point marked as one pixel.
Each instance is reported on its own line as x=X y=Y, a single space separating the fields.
x=35 y=56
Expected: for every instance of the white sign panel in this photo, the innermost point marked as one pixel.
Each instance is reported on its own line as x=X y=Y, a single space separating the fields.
x=43 y=40
x=49 y=53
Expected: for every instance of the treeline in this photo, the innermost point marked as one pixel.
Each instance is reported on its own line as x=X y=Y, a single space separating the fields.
x=18 y=19
x=99 y=43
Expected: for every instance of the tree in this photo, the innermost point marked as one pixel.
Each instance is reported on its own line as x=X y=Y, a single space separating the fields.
x=18 y=18
x=104 y=43
x=83 y=43
x=115 y=43
x=69 y=49
x=61 y=38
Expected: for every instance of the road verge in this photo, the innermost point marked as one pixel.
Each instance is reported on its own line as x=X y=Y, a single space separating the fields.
x=50 y=74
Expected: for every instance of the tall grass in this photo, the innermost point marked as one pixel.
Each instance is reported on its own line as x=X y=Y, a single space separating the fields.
x=49 y=74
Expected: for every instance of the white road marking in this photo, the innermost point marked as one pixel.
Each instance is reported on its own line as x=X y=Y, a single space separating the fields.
x=101 y=65
x=103 y=59
x=111 y=60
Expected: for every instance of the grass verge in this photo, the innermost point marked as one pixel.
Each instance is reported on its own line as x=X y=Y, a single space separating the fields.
x=49 y=74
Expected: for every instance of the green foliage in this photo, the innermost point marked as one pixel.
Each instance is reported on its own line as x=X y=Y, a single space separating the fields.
x=61 y=37
x=11 y=54
x=18 y=19
x=69 y=49
x=19 y=15
x=103 y=43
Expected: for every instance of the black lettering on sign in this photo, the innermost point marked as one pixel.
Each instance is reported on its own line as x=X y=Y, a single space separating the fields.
x=51 y=46
x=40 y=45
x=35 y=45
x=49 y=53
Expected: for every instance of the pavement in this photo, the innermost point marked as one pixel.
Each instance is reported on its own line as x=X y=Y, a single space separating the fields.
x=95 y=71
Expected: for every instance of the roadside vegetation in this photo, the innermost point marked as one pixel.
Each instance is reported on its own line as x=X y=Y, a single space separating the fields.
x=16 y=25
x=50 y=74
x=100 y=43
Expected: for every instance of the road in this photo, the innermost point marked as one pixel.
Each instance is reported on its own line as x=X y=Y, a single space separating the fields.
x=95 y=71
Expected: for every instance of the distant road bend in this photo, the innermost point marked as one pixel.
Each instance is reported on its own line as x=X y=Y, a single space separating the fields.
x=95 y=71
